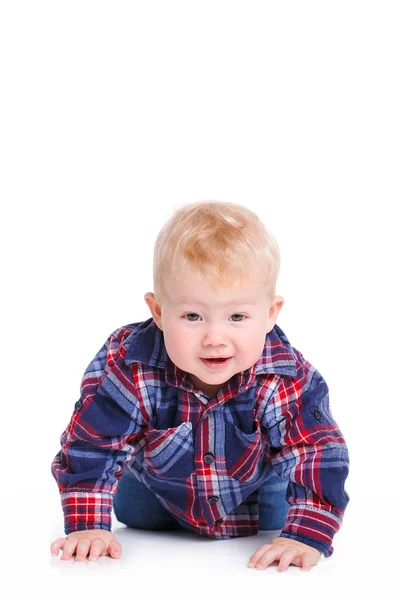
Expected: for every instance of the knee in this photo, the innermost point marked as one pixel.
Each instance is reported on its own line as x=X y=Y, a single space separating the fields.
x=137 y=507
x=273 y=507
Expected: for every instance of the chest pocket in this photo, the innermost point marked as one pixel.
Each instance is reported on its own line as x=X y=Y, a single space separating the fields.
x=169 y=452
x=243 y=451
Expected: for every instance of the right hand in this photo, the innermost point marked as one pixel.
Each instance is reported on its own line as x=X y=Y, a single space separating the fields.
x=90 y=542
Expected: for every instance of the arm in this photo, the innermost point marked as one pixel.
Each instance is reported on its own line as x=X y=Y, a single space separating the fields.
x=307 y=448
x=95 y=444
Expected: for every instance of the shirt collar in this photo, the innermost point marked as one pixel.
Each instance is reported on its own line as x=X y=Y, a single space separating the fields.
x=146 y=345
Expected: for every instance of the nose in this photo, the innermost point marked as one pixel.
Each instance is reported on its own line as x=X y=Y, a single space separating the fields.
x=214 y=338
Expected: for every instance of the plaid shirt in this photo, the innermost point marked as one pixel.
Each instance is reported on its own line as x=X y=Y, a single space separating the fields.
x=205 y=458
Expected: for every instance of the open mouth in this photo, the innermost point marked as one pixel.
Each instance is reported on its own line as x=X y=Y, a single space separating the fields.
x=216 y=363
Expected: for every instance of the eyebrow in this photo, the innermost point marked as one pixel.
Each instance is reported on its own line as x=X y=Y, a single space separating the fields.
x=248 y=301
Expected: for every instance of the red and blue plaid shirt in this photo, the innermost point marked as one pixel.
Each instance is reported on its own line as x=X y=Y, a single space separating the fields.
x=205 y=458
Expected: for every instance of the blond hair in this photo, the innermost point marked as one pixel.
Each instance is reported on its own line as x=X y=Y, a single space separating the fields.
x=223 y=241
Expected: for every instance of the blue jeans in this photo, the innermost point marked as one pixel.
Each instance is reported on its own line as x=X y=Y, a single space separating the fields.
x=136 y=506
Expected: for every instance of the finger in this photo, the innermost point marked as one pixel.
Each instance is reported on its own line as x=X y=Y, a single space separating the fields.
x=57 y=545
x=287 y=557
x=97 y=548
x=69 y=548
x=306 y=561
x=269 y=556
x=254 y=558
x=82 y=549
x=115 y=549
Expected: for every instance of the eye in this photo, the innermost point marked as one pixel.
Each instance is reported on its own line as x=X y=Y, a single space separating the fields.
x=237 y=315
x=191 y=315
x=242 y=317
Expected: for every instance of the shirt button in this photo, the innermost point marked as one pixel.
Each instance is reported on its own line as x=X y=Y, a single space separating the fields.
x=219 y=522
x=213 y=499
x=78 y=405
x=317 y=415
x=209 y=458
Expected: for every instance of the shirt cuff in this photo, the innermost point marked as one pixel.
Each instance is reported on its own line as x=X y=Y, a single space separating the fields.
x=312 y=526
x=86 y=510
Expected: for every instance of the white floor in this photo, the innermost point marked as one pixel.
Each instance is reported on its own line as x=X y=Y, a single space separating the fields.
x=183 y=565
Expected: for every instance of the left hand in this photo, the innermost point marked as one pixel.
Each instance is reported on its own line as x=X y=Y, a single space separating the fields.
x=286 y=552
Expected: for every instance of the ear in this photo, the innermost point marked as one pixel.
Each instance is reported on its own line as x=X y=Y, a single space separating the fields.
x=154 y=307
x=274 y=311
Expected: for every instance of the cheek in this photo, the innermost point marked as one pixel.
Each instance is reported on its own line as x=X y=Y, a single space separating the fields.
x=253 y=342
x=177 y=339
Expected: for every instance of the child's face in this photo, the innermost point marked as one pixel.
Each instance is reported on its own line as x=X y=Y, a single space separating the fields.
x=199 y=323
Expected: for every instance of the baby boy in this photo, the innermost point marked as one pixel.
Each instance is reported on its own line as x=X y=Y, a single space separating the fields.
x=185 y=419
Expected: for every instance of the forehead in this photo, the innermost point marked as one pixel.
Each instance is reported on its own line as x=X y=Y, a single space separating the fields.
x=232 y=300
x=193 y=288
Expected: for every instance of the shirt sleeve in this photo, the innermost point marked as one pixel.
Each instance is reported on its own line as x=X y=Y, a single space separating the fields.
x=96 y=443
x=307 y=448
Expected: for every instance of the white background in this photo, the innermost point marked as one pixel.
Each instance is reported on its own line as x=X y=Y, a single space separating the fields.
x=113 y=114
